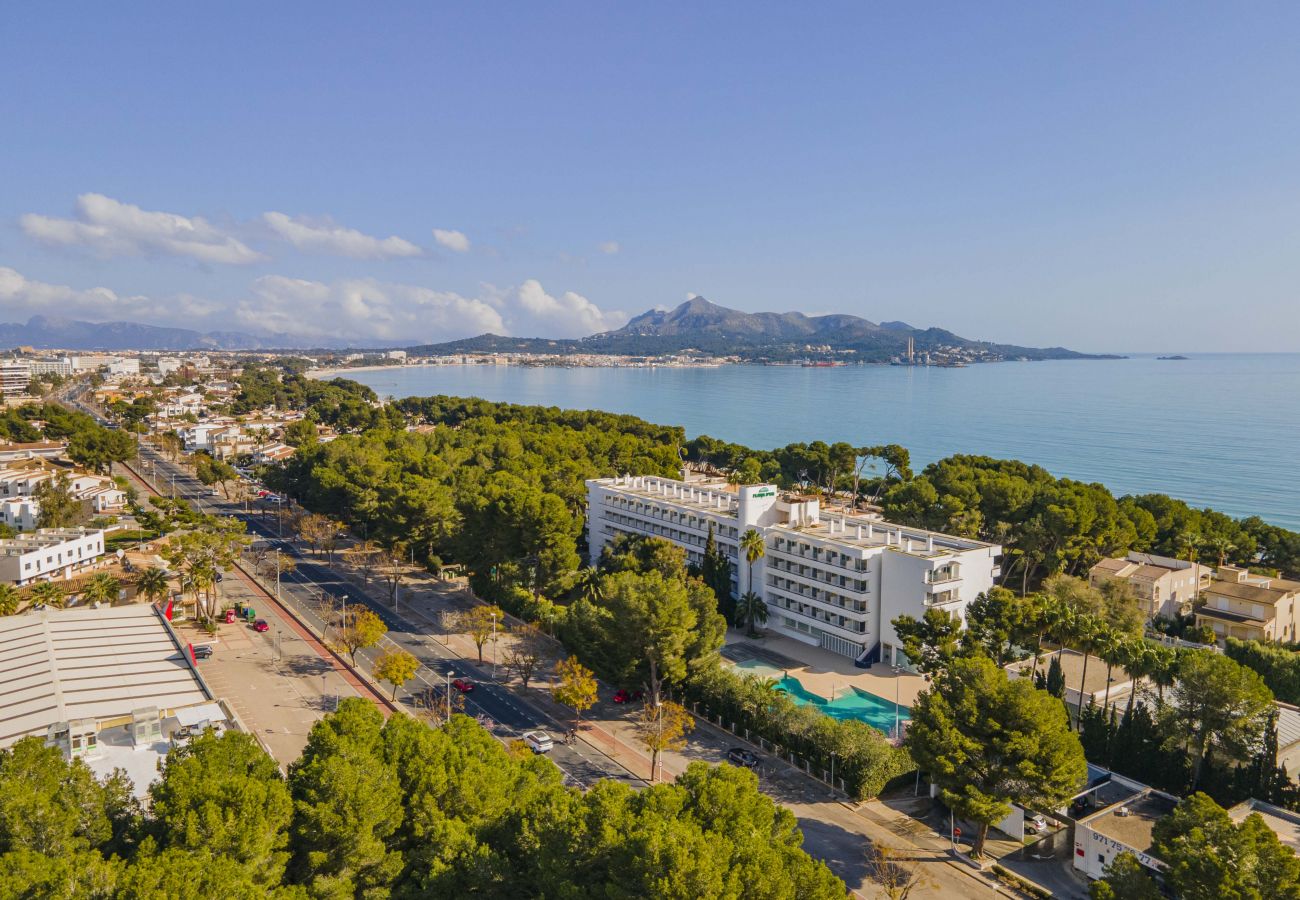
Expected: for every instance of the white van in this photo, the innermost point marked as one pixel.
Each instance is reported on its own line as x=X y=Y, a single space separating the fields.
x=539 y=741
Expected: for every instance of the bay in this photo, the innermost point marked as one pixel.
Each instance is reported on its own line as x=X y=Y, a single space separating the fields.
x=1219 y=430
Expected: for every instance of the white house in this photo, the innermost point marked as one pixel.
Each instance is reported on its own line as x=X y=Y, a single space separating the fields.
x=49 y=554
x=834 y=581
x=20 y=514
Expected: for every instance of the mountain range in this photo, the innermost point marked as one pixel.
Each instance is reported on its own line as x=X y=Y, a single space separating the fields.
x=698 y=325
x=694 y=326
x=53 y=332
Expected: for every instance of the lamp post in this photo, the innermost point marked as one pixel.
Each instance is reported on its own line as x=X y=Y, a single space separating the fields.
x=449 y=674
x=832 y=773
x=494 y=646
x=898 y=671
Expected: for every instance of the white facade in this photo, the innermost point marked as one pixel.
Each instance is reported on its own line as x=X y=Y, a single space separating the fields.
x=834 y=581
x=20 y=515
x=50 y=366
x=15 y=376
x=168 y=364
x=127 y=366
x=49 y=554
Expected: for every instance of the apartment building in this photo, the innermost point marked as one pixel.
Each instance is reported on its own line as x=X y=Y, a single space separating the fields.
x=1162 y=586
x=20 y=515
x=49 y=554
x=51 y=366
x=15 y=376
x=831 y=580
x=1243 y=605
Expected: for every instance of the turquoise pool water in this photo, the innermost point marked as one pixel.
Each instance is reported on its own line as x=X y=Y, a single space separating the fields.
x=850 y=703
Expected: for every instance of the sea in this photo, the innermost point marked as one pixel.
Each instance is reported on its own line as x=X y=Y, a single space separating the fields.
x=1218 y=430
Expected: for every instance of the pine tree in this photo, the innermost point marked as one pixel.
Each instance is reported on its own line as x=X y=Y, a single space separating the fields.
x=1055 y=678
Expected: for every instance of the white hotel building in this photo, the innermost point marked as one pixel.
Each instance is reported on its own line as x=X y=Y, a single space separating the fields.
x=834 y=581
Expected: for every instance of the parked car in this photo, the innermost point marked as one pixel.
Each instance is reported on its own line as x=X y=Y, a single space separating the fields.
x=203 y=651
x=463 y=685
x=539 y=741
x=739 y=756
x=624 y=696
x=261 y=625
x=1036 y=824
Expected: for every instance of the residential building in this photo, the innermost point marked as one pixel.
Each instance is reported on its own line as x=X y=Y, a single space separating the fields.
x=168 y=364
x=835 y=580
x=126 y=366
x=34 y=450
x=15 y=376
x=51 y=366
x=20 y=515
x=48 y=554
x=396 y=354
x=1241 y=604
x=91 y=362
x=1162 y=586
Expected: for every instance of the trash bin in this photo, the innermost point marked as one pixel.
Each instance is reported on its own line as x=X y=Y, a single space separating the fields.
x=230 y=617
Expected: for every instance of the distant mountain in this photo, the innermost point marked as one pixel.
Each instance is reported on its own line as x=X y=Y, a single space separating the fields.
x=51 y=332
x=705 y=327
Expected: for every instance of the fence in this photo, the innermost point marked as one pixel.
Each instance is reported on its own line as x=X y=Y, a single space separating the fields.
x=801 y=763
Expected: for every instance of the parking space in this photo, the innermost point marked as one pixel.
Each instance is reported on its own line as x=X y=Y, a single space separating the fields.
x=277 y=685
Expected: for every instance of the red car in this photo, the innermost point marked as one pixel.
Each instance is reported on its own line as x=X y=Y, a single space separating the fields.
x=462 y=685
x=622 y=696
x=261 y=625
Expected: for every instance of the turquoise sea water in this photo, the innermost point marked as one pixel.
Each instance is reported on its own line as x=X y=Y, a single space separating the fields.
x=848 y=704
x=1219 y=430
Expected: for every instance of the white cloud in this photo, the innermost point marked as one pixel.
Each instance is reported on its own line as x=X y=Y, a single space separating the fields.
x=534 y=313
x=691 y=295
x=112 y=228
x=360 y=309
x=22 y=297
x=609 y=248
x=364 y=308
x=328 y=237
x=452 y=240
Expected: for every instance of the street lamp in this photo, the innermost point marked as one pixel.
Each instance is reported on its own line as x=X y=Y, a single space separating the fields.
x=494 y=646
x=832 y=773
x=449 y=674
x=898 y=671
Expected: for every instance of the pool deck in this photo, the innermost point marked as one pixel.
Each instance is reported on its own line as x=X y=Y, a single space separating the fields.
x=825 y=674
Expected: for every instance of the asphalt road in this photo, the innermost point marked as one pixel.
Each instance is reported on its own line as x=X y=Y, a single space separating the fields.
x=312 y=580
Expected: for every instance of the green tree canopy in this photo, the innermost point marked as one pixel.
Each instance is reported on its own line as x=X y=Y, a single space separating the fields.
x=988 y=742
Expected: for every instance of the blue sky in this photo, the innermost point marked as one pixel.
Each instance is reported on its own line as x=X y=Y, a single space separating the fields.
x=1108 y=177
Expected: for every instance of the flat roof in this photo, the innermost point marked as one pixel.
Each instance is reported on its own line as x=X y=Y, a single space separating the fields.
x=85 y=663
x=1284 y=823
x=1133 y=822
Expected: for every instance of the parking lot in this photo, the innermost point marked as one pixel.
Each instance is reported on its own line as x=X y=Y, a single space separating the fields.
x=276 y=684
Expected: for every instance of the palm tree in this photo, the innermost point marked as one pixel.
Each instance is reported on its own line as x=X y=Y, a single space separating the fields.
x=153 y=584
x=1138 y=663
x=588 y=584
x=1084 y=637
x=1164 y=670
x=1113 y=649
x=101 y=588
x=50 y=594
x=9 y=599
x=1188 y=541
x=752 y=611
x=751 y=544
x=1221 y=546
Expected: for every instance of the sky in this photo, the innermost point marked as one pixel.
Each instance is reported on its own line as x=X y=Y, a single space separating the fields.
x=1107 y=176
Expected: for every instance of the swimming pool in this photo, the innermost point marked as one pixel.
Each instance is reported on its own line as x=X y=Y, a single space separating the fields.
x=849 y=703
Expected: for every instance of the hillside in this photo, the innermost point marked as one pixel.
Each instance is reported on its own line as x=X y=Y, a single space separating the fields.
x=707 y=328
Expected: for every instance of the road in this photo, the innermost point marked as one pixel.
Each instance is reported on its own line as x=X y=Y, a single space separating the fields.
x=832 y=831
x=317 y=594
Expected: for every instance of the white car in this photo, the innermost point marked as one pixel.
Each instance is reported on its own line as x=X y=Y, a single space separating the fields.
x=538 y=741
x=1036 y=824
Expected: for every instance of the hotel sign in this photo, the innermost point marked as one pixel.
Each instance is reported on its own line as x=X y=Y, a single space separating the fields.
x=764 y=492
